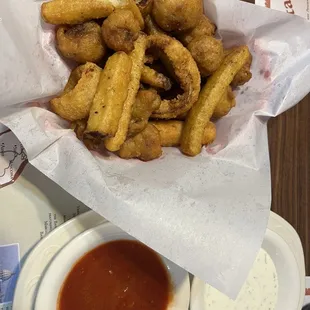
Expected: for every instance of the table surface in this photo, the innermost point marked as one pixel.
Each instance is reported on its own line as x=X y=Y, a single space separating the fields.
x=289 y=146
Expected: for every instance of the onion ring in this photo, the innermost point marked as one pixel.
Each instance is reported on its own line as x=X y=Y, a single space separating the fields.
x=185 y=70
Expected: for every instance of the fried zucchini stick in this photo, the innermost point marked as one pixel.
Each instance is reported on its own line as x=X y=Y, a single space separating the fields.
x=209 y=97
x=112 y=90
x=153 y=78
x=137 y=57
x=75 y=101
x=67 y=12
x=171 y=132
x=75 y=11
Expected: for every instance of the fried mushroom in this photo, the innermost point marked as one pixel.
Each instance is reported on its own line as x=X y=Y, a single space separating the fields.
x=120 y=30
x=177 y=15
x=145 y=145
x=208 y=53
x=82 y=43
x=204 y=28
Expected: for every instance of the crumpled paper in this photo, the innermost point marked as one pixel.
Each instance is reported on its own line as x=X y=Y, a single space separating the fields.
x=208 y=213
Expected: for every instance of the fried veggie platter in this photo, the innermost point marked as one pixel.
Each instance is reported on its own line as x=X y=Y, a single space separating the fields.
x=148 y=75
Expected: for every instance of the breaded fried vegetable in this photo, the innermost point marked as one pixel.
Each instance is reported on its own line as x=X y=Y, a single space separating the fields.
x=185 y=70
x=59 y=12
x=120 y=30
x=244 y=75
x=204 y=28
x=177 y=15
x=112 y=90
x=153 y=78
x=137 y=58
x=75 y=101
x=226 y=103
x=151 y=27
x=208 y=53
x=146 y=102
x=182 y=117
x=79 y=128
x=132 y=6
x=171 y=132
x=145 y=6
x=145 y=145
x=209 y=98
x=81 y=42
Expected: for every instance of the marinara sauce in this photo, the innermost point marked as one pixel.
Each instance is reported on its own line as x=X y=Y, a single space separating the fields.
x=117 y=275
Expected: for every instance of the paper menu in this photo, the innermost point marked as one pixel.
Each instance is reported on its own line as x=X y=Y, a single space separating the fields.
x=307 y=297
x=294 y=7
x=31 y=207
x=209 y=213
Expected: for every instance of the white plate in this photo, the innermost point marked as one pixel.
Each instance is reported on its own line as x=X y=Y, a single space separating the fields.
x=60 y=267
x=47 y=248
x=283 y=245
x=43 y=254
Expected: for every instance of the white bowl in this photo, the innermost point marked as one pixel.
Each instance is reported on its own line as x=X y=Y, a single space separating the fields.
x=283 y=245
x=59 y=268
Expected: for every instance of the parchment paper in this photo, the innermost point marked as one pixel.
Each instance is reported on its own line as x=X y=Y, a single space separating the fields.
x=209 y=213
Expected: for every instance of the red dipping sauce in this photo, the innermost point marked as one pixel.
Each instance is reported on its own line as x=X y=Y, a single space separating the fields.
x=117 y=275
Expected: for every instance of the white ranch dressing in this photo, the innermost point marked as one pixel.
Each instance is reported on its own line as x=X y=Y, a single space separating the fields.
x=260 y=292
